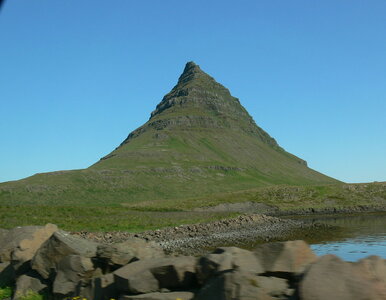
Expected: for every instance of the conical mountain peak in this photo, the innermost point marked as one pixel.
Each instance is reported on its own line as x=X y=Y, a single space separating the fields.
x=191 y=71
x=194 y=88
x=199 y=102
x=191 y=66
x=199 y=133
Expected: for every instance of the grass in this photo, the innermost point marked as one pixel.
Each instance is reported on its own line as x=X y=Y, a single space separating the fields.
x=203 y=150
x=203 y=145
x=99 y=218
x=5 y=292
x=30 y=295
x=283 y=197
x=145 y=215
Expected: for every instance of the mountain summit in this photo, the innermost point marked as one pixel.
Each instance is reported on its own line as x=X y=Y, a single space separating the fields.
x=198 y=101
x=197 y=95
x=198 y=141
x=200 y=126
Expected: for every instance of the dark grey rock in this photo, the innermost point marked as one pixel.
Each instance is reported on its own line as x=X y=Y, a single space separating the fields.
x=332 y=278
x=120 y=254
x=104 y=287
x=160 y=296
x=7 y=274
x=146 y=276
x=286 y=257
x=233 y=285
x=21 y=243
x=225 y=259
x=136 y=278
x=70 y=271
x=372 y=268
x=274 y=286
x=60 y=245
x=98 y=288
x=26 y=284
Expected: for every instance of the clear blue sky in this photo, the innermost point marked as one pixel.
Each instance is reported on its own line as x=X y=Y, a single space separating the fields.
x=77 y=76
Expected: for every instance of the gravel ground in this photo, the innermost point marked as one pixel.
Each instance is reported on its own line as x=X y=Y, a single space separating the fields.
x=197 y=239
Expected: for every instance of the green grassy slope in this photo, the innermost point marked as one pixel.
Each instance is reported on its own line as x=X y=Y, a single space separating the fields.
x=153 y=214
x=283 y=197
x=199 y=141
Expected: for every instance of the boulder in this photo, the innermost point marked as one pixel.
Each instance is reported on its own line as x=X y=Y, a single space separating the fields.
x=161 y=296
x=21 y=243
x=104 y=288
x=7 y=274
x=372 y=268
x=286 y=257
x=146 y=276
x=175 y=272
x=233 y=285
x=137 y=279
x=273 y=286
x=28 y=283
x=117 y=255
x=332 y=278
x=97 y=288
x=70 y=271
x=227 y=258
x=58 y=246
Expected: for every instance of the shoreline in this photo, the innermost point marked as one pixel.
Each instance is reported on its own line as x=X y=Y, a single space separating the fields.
x=57 y=265
x=245 y=231
x=196 y=239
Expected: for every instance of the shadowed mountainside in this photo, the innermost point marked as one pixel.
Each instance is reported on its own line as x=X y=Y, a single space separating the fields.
x=198 y=141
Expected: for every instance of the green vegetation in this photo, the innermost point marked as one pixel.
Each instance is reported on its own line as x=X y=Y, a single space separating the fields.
x=143 y=215
x=199 y=141
x=200 y=148
x=76 y=218
x=283 y=197
x=30 y=295
x=5 y=292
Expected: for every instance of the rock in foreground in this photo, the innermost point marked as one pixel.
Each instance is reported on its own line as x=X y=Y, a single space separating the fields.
x=65 y=266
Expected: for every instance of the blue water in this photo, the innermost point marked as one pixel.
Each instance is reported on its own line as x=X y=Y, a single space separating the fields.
x=353 y=249
x=365 y=235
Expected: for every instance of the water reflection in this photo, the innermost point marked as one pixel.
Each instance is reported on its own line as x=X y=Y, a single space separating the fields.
x=365 y=235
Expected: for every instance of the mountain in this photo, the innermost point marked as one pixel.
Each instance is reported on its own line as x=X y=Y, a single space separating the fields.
x=198 y=141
